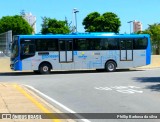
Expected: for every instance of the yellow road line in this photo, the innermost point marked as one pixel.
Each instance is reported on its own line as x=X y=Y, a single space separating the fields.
x=38 y=104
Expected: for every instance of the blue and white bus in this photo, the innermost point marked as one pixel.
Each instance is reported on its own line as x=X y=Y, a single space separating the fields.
x=109 y=51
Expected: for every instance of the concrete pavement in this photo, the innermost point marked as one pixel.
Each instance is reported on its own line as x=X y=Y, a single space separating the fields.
x=17 y=99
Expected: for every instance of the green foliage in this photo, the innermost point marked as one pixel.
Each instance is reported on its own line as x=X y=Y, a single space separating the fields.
x=108 y=22
x=54 y=26
x=154 y=32
x=90 y=22
x=16 y=23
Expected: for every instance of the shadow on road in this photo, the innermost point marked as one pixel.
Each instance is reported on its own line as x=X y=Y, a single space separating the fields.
x=65 y=72
x=155 y=82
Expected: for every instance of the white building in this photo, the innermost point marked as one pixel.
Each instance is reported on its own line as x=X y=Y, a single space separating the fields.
x=31 y=20
x=137 y=26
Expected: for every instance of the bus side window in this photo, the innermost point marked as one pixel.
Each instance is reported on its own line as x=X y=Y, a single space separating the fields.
x=140 y=43
x=26 y=49
x=62 y=45
x=31 y=48
x=105 y=46
x=91 y=45
x=52 y=45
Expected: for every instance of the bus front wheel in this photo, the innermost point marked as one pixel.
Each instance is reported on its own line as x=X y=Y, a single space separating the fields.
x=110 y=66
x=44 y=68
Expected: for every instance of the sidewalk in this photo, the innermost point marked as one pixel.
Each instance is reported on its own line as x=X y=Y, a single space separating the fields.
x=16 y=99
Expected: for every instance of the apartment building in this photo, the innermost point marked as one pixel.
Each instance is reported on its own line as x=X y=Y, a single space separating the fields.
x=31 y=20
x=137 y=26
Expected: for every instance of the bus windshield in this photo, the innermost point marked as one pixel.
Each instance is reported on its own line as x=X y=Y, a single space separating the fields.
x=14 y=49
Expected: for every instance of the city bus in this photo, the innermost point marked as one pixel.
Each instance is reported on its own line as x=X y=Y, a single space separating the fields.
x=109 y=51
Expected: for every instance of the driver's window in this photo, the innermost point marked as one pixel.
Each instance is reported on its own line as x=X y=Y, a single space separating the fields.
x=26 y=50
x=27 y=47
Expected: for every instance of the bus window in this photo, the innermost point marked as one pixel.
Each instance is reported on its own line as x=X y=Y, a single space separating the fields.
x=126 y=44
x=52 y=45
x=140 y=43
x=122 y=45
x=27 y=48
x=41 y=45
x=129 y=44
x=62 y=45
x=98 y=45
x=111 y=44
x=69 y=45
x=46 y=44
x=81 y=44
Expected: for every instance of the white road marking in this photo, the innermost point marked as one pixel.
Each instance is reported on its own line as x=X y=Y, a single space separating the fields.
x=122 y=89
x=103 y=88
x=54 y=101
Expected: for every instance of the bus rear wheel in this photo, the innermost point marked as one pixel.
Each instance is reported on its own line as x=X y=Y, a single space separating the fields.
x=110 y=66
x=45 y=68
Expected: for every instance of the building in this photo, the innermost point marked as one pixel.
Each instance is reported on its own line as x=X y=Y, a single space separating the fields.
x=31 y=20
x=137 y=26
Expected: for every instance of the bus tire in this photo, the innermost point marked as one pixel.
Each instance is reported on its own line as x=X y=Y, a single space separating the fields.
x=44 y=68
x=110 y=66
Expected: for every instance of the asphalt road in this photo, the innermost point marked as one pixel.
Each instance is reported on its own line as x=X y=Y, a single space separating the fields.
x=123 y=91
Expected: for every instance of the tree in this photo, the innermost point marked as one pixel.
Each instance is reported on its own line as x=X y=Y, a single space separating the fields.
x=16 y=23
x=54 y=26
x=108 y=22
x=89 y=22
x=154 y=32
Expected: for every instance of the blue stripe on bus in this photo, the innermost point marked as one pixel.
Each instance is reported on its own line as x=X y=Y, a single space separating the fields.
x=148 y=54
x=18 y=64
x=103 y=35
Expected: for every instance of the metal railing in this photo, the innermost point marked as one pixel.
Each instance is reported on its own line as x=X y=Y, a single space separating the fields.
x=5 y=42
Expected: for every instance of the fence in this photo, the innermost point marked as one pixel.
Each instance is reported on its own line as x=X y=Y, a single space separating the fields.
x=5 y=42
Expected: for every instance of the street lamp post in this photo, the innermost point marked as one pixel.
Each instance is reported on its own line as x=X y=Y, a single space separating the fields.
x=130 y=25
x=75 y=11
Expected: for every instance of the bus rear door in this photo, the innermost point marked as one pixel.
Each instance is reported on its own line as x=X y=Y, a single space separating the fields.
x=126 y=49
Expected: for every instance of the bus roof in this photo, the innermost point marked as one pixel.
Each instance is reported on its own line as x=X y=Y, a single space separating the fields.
x=86 y=35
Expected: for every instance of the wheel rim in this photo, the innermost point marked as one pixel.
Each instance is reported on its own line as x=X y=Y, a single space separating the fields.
x=111 y=67
x=45 y=68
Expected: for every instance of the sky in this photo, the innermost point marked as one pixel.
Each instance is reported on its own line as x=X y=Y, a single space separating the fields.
x=145 y=11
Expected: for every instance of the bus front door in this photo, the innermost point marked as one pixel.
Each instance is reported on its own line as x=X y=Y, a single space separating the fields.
x=126 y=50
x=65 y=50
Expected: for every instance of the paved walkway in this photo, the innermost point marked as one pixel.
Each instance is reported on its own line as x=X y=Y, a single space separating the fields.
x=18 y=104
